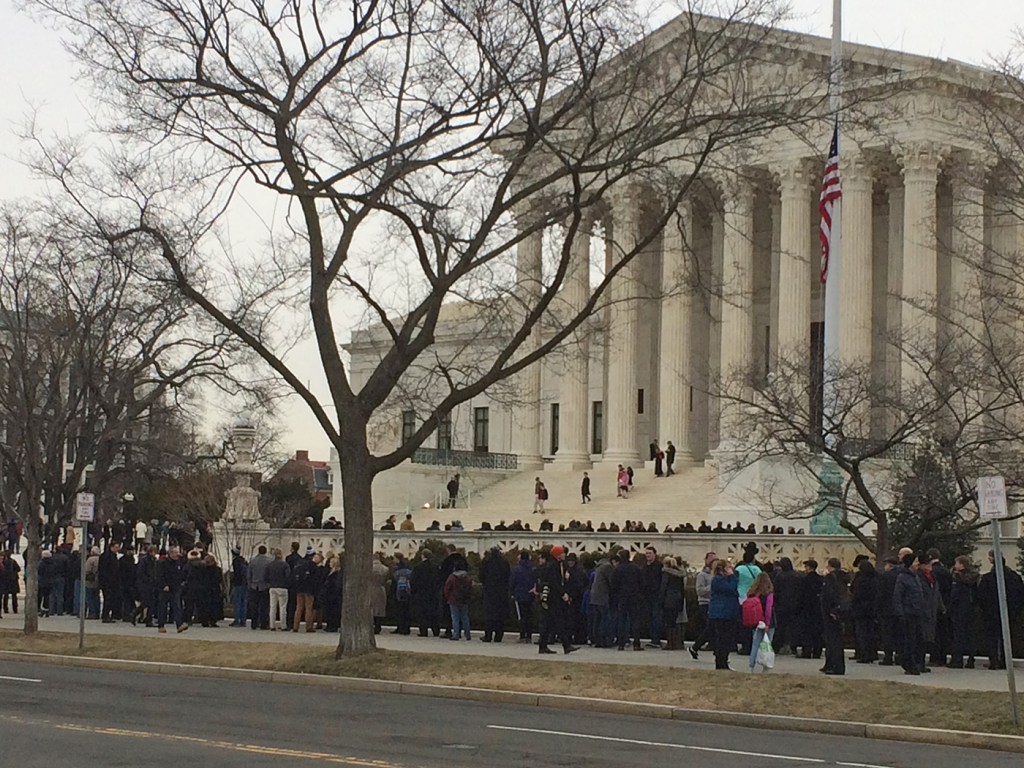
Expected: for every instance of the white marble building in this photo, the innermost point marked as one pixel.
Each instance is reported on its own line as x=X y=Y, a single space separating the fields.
x=921 y=198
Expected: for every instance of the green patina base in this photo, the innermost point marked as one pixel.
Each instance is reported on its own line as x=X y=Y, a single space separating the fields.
x=828 y=509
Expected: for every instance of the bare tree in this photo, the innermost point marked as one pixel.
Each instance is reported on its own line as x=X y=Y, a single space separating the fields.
x=415 y=145
x=908 y=454
x=89 y=353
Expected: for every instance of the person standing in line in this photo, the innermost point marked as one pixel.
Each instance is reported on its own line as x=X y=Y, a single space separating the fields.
x=495 y=579
x=278 y=578
x=129 y=586
x=259 y=589
x=141 y=535
x=521 y=584
x=171 y=577
x=963 y=597
x=933 y=609
x=453 y=490
x=585 y=488
x=293 y=558
x=670 y=459
x=239 y=587
x=763 y=590
x=146 y=586
x=885 y=612
x=724 y=611
x=458 y=589
x=943 y=633
x=672 y=598
x=602 y=626
x=702 y=584
x=556 y=599
x=110 y=582
x=401 y=584
x=651 y=589
x=423 y=596
x=810 y=612
x=305 y=580
x=379 y=593
x=625 y=598
x=835 y=601
x=865 y=599
x=908 y=605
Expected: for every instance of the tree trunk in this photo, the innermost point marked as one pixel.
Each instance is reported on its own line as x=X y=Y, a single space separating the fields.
x=883 y=545
x=356 y=488
x=34 y=534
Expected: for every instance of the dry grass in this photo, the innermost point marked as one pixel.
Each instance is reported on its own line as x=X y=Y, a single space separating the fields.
x=796 y=695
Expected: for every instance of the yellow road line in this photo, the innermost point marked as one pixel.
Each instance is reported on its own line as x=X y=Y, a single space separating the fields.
x=323 y=757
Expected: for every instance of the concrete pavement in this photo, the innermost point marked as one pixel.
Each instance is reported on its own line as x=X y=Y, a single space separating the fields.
x=107 y=719
x=978 y=679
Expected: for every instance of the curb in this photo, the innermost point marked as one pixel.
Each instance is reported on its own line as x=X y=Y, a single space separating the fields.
x=877 y=731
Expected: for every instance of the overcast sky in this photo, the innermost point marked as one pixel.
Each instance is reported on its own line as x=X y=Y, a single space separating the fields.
x=36 y=72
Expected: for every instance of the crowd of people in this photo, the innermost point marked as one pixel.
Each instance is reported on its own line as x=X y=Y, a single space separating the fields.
x=912 y=610
x=587 y=526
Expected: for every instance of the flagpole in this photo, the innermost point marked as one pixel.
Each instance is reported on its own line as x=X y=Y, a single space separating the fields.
x=827 y=512
x=835 y=265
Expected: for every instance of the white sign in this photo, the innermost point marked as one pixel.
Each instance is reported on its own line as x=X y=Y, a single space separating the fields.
x=991 y=498
x=85 y=505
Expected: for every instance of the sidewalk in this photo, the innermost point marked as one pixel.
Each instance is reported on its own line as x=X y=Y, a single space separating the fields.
x=970 y=680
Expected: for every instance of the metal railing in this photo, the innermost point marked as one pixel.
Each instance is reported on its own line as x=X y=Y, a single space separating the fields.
x=437 y=457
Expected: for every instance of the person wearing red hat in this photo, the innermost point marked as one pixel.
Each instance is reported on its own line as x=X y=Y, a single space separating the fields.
x=555 y=600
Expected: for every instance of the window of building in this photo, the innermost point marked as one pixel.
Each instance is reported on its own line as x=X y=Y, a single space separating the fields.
x=481 y=429
x=554 y=428
x=444 y=432
x=596 y=427
x=639 y=401
x=408 y=426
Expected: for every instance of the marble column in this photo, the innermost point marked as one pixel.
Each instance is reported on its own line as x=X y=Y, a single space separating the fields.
x=574 y=385
x=526 y=414
x=796 y=184
x=621 y=401
x=968 y=244
x=920 y=164
x=674 y=364
x=894 y=303
x=855 y=282
x=737 y=303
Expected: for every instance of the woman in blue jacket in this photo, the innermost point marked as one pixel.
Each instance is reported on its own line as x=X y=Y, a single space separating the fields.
x=724 y=610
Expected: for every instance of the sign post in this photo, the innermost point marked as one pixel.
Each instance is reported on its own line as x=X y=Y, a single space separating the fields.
x=992 y=506
x=85 y=505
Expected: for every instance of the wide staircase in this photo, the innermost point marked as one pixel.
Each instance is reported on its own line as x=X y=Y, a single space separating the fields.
x=685 y=497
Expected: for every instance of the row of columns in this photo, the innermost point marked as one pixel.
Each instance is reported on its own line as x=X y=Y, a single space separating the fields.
x=913 y=246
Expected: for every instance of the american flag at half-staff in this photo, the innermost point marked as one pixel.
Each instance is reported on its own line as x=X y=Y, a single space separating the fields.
x=831 y=192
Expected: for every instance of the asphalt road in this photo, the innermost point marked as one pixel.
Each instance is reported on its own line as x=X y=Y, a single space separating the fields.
x=99 y=719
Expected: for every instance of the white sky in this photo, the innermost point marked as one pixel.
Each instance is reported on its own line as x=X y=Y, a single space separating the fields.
x=35 y=72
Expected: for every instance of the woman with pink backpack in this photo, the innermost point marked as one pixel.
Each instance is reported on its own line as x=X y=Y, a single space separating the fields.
x=758 y=615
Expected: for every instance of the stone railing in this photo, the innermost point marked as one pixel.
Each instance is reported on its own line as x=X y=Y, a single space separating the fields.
x=437 y=457
x=690 y=547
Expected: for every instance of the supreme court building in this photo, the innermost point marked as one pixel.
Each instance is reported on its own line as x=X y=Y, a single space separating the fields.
x=921 y=201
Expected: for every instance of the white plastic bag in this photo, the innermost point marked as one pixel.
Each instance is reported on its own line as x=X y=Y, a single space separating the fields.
x=765 y=654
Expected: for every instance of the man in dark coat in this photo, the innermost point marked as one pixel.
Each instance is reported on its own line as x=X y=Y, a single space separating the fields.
x=59 y=563
x=864 y=602
x=126 y=567
x=885 y=613
x=555 y=599
x=943 y=638
x=908 y=605
x=810 y=612
x=650 y=586
x=453 y=558
x=172 y=573
x=988 y=598
x=522 y=582
x=625 y=600
x=239 y=586
x=835 y=601
x=963 y=597
x=110 y=583
x=423 y=601
x=146 y=585
x=577 y=588
x=788 y=589
x=495 y=576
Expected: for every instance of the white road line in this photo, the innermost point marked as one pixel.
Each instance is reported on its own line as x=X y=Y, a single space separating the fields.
x=20 y=679
x=741 y=753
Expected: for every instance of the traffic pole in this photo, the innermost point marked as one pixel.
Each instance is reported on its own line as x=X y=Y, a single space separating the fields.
x=81 y=588
x=1004 y=617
